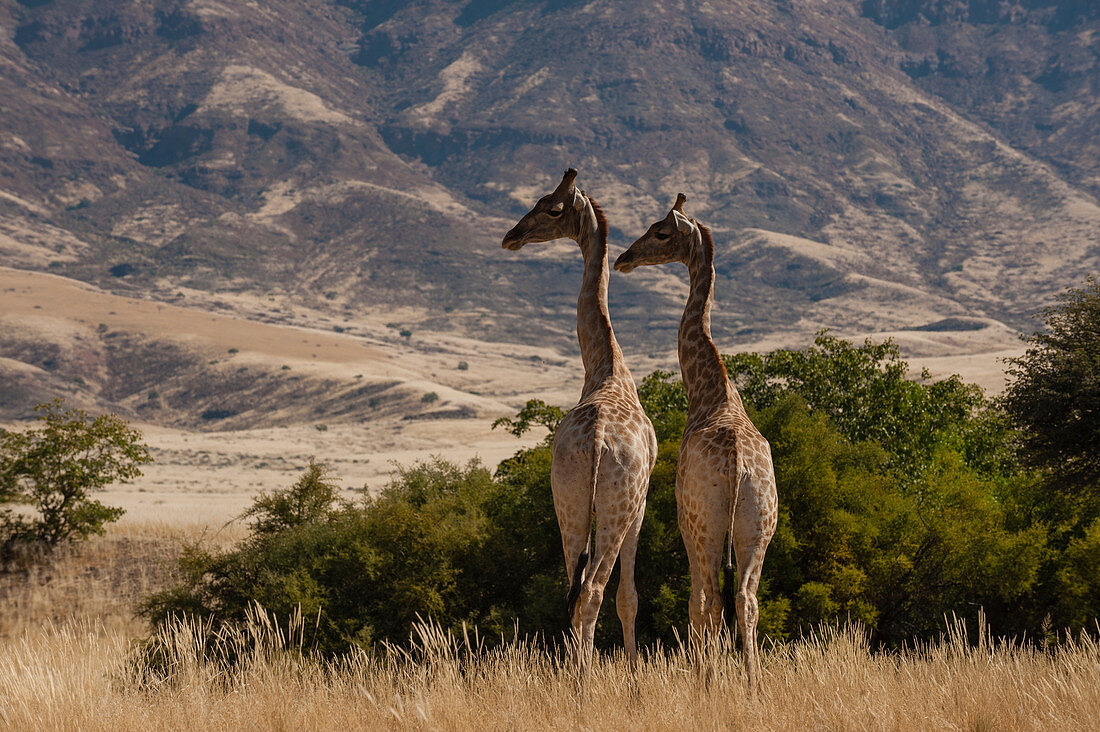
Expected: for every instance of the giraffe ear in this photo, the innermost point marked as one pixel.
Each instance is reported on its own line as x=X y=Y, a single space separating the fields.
x=578 y=200
x=682 y=223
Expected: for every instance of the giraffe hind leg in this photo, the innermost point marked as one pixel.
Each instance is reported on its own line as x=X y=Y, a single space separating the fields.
x=748 y=614
x=577 y=580
x=626 y=599
x=753 y=530
x=609 y=540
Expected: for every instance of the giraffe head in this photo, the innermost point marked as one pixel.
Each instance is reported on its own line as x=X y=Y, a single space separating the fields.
x=667 y=240
x=557 y=215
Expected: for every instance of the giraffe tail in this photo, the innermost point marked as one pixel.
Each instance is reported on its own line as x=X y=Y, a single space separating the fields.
x=582 y=560
x=729 y=594
x=575 y=586
x=729 y=574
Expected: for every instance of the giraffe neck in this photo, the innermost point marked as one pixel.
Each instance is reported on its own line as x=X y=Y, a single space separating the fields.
x=600 y=352
x=705 y=379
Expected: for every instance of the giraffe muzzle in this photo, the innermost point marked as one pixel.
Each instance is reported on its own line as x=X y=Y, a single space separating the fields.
x=512 y=240
x=625 y=262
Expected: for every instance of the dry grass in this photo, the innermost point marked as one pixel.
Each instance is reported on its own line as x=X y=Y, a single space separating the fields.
x=76 y=670
x=98 y=582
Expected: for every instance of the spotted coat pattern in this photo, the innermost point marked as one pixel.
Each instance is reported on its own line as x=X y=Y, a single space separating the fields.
x=725 y=483
x=605 y=448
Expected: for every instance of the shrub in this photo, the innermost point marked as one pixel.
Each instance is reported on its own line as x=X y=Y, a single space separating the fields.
x=535 y=413
x=1054 y=395
x=890 y=524
x=865 y=391
x=364 y=570
x=56 y=467
x=312 y=498
x=865 y=526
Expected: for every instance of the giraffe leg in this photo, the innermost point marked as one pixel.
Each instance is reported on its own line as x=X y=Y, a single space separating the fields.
x=704 y=539
x=609 y=539
x=712 y=600
x=626 y=599
x=696 y=565
x=750 y=557
x=572 y=504
x=753 y=527
x=710 y=612
x=702 y=503
x=573 y=546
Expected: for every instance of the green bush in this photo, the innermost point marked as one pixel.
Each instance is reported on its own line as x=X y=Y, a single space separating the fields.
x=893 y=531
x=56 y=467
x=1054 y=396
x=422 y=547
x=535 y=413
x=865 y=391
x=311 y=499
x=891 y=521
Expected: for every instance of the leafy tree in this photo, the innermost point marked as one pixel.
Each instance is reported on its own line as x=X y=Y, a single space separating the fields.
x=884 y=483
x=865 y=391
x=1054 y=395
x=56 y=467
x=892 y=524
x=665 y=401
x=535 y=413
x=310 y=499
x=857 y=540
x=1077 y=581
x=366 y=570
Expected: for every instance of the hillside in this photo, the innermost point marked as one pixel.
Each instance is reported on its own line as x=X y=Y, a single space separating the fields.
x=920 y=169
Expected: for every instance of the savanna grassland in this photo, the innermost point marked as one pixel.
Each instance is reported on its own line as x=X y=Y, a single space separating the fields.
x=68 y=660
x=936 y=566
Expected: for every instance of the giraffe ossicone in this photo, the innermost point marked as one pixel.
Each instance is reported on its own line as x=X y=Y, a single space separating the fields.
x=605 y=448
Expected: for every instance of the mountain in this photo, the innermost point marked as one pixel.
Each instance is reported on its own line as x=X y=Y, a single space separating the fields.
x=923 y=168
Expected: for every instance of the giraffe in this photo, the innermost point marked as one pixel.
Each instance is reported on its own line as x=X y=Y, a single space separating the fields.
x=725 y=484
x=605 y=448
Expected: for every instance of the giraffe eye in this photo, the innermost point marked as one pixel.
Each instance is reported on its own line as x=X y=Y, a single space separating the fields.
x=660 y=235
x=556 y=210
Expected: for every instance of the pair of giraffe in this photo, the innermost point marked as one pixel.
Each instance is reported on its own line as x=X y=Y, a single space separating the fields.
x=605 y=448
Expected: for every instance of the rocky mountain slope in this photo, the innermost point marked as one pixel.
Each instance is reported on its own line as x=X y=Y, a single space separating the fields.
x=921 y=168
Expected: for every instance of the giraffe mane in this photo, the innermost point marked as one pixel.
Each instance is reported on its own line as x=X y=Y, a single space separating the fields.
x=708 y=240
x=601 y=220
